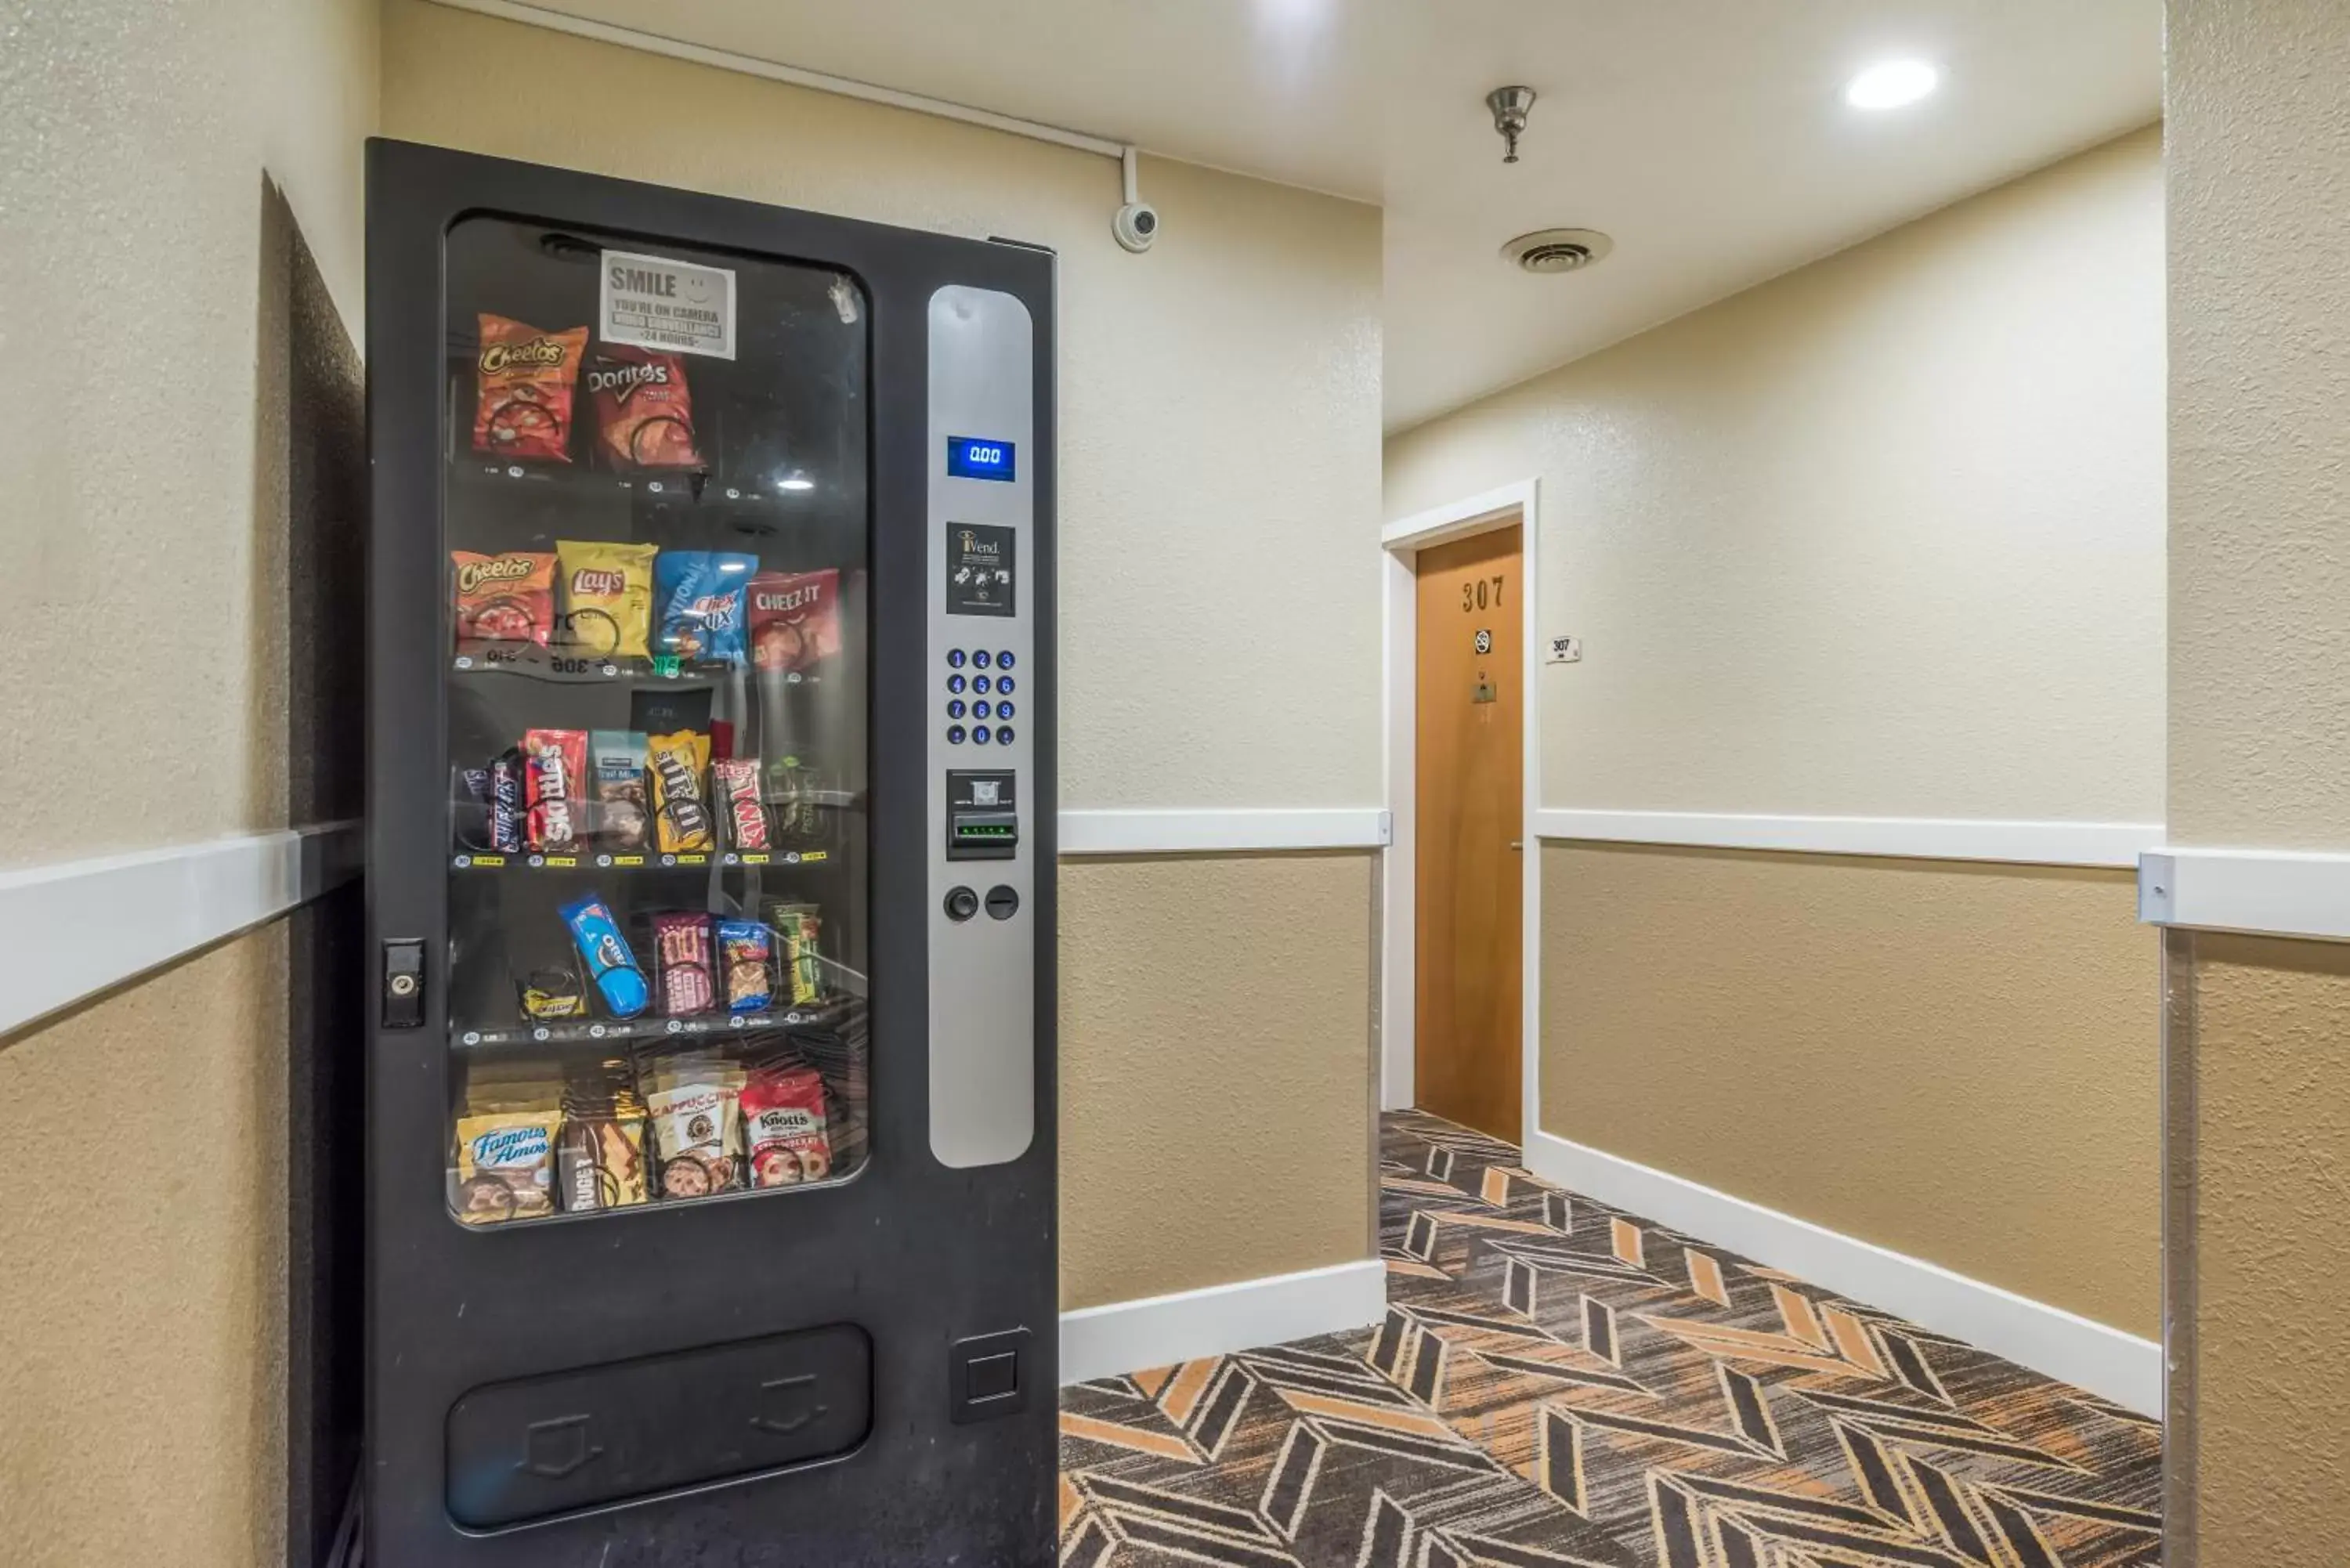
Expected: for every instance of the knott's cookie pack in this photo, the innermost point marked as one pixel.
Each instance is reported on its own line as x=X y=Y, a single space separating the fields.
x=783 y=1128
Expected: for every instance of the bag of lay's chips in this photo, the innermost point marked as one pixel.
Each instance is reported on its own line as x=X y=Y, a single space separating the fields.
x=702 y=598
x=608 y=598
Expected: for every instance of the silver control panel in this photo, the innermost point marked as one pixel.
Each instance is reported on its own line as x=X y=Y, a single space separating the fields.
x=978 y=707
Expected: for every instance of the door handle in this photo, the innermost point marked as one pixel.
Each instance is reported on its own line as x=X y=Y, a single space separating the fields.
x=1517 y=844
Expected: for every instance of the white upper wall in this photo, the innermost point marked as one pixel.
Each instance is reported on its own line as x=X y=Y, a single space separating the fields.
x=1219 y=396
x=1883 y=538
x=136 y=274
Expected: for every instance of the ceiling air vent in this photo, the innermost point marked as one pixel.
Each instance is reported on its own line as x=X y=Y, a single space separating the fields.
x=1558 y=250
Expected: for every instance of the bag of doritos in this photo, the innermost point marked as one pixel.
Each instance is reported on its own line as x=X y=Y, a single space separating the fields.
x=644 y=411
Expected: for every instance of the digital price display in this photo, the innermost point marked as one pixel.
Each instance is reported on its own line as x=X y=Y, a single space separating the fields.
x=971 y=457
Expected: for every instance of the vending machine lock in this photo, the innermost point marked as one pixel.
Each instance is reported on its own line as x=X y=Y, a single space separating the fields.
x=404 y=982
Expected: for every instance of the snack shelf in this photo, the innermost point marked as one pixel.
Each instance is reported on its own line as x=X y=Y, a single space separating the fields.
x=530 y=661
x=772 y=496
x=510 y=865
x=605 y=1031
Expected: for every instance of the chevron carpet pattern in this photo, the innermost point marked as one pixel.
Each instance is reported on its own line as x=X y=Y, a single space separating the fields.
x=1560 y=1383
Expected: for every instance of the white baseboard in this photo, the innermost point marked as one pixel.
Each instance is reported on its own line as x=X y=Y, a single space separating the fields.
x=72 y=930
x=1898 y=838
x=1159 y=1331
x=2120 y=1367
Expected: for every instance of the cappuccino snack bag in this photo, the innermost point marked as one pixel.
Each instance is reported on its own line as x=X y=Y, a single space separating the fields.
x=524 y=381
x=507 y=597
x=698 y=1133
x=644 y=411
x=606 y=596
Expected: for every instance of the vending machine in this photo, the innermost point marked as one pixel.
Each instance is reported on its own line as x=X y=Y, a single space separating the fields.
x=711 y=1129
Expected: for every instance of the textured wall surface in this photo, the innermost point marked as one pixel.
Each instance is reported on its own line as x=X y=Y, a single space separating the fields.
x=180 y=254
x=2272 y=1252
x=132 y=207
x=1215 y=1070
x=2259 y=446
x=143 y=1150
x=2260 y=756
x=1883 y=538
x=1954 y=1061
x=1220 y=396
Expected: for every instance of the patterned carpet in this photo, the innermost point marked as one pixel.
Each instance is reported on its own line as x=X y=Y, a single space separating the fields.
x=1561 y=1382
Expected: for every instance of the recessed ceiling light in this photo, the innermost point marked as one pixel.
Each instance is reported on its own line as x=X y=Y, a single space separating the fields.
x=1892 y=84
x=797 y=482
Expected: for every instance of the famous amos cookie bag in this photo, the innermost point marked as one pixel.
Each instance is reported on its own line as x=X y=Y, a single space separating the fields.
x=524 y=381
x=505 y=1165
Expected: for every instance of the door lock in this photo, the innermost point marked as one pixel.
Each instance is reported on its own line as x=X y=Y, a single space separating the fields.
x=404 y=982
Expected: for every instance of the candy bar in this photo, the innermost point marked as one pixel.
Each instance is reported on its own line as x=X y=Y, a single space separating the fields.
x=682 y=820
x=559 y=771
x=505 y=814
x=736 y=782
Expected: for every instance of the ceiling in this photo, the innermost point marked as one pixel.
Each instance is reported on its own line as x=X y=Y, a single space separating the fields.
x=1709 y=137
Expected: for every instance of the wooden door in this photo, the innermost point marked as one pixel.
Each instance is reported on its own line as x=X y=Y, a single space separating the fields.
x=1471 y=664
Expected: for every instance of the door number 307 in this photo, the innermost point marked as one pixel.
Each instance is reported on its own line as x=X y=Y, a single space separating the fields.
x=1475 y=596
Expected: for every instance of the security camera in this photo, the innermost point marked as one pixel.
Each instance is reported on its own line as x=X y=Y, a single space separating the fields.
x=1136 y=225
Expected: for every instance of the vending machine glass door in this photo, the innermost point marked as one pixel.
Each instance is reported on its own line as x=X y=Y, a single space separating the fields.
x=657 y=541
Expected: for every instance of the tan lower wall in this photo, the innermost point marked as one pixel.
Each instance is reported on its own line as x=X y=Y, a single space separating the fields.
x=2270 y=1469
x=142 y=1150
x=1954 y=1061
x=1215 y=1070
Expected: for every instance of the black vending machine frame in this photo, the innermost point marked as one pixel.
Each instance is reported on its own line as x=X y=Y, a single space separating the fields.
x=922 y=1258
